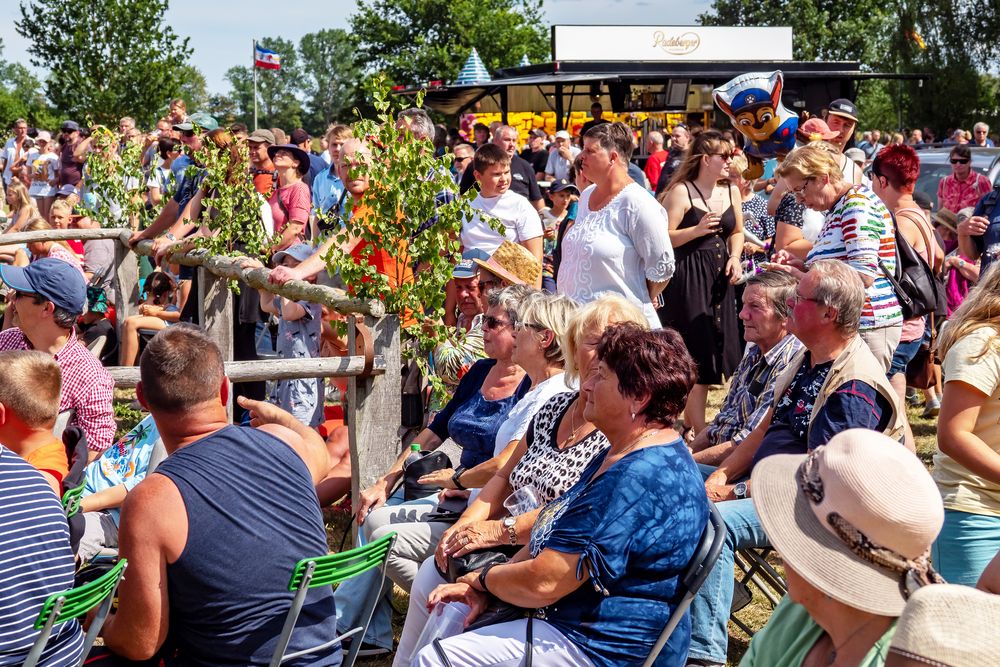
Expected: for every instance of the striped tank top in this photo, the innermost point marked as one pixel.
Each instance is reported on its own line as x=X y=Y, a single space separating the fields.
x=35 y=562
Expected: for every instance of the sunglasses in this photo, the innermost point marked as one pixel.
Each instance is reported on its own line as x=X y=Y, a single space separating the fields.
x=18 y=295
x=521 y=326
x=187 y=133
x=958 y=160
x=494 y=323
x=461 y=159
x=724 y=156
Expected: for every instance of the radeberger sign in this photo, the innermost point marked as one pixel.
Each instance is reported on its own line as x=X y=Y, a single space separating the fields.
x=670 y=43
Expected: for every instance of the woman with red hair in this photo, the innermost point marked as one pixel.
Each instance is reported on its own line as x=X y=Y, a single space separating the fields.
x=894 y=173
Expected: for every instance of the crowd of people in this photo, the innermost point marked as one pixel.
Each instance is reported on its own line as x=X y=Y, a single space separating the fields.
x=579 y=463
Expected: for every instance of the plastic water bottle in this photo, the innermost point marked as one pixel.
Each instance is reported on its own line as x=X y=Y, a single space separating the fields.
x=413 y=456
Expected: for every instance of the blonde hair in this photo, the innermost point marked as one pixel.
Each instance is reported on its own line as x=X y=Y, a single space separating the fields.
x=596 y=315
x=38 y=224
x=981 y=308
x=30 y=386
x=553 y=312
x=813 y=160
x=60 y=205
x=23 y=198
x=335 y=132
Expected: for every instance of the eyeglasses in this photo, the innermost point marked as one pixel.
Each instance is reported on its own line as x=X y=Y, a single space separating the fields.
x=959 y=160
x=490 y=322
x=799 y=191
x=521 y=326
x=797 y=298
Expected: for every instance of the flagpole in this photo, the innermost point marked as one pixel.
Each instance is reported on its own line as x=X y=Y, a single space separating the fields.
x=254 y=84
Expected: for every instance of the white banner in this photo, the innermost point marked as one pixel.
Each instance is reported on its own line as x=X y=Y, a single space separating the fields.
x=588 y=43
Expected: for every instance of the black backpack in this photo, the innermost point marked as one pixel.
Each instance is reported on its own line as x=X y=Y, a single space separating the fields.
x=919 y=290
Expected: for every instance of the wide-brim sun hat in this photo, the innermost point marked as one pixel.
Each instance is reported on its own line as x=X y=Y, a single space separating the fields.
x=513 y=263
x=874 y=492
x=952 y=625
x=301 y=157
x=946 y=218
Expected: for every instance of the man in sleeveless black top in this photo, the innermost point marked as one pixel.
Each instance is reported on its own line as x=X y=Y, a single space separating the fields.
x=213 y=535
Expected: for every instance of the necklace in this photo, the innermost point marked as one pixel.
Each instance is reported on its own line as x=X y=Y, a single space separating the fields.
x=640 y=438
x=832 y=657
x=572 y=436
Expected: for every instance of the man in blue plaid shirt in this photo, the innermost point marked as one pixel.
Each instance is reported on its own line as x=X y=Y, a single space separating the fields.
x=765 y=316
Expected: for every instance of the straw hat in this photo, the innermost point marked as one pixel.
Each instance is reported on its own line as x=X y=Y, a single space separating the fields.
x=513 y=263
x=949 y=625
x=855 y=518
x=946 y=218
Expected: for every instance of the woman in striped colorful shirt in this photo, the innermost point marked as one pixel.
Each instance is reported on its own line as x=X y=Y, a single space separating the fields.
x=858 y=230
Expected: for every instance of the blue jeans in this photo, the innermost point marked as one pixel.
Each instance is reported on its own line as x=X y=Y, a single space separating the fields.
x=710 y=608
x=351 y=595
x=966 y=545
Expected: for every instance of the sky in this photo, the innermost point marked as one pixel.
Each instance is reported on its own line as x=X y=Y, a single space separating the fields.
x=222 y=31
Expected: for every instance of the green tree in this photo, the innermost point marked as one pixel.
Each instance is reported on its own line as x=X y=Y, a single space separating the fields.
x=278 y=104
x=21 y=96
x=192 y=87
x=331 y=77
x=414 y=41
x=114 y=59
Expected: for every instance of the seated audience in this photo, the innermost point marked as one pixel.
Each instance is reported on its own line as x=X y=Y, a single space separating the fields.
x=29 y=396
x=549 y=459
x=947 y=626
x=464 y=311
x=202 y=585
x=765 y=315
x=157 y=311
x=967 y=464
x=472 y=419
x=35 y=562
x=833 y=384
x=37 y=250
x=854 y=548
x=599 y=560
x=48 y=297
x=541 y=323
x=94 y=325
x=98 y=258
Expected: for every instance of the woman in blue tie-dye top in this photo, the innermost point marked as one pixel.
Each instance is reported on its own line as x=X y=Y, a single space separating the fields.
x=603 y=566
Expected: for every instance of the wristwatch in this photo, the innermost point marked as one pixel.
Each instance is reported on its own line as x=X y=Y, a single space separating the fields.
x=740 y=490
x=509 y=523
x=455 y=478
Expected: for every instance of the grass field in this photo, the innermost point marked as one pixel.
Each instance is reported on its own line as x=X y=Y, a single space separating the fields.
x=755 y=615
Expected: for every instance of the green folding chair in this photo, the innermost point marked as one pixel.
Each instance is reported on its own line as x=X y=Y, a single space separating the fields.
x=74 y=603
x=327 y=571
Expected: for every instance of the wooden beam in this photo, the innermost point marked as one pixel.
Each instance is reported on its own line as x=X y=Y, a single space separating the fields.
x=217 y=312
x=117 y=234
x=126 y=285
x=271 y=369
x=374 y=407
x=297 y=290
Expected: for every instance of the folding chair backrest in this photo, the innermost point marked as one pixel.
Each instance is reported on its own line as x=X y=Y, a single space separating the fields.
x=62 y=421
x=702 y=562
x=75 y=441
x=330 y=570
x=74 y=603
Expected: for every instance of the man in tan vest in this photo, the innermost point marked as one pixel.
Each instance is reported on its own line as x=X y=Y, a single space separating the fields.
x=834 y=384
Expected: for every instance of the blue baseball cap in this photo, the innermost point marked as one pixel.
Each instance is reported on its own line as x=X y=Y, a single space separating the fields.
x=299 y=251
x=53 y=279
x=467 y=267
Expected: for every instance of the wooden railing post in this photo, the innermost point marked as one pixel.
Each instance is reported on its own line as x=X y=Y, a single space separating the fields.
x=126 y=284
x=374 y=408
x=215 y=302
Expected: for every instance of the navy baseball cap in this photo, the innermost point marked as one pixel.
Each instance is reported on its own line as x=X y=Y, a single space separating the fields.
x=53 y=279
x=467 y=267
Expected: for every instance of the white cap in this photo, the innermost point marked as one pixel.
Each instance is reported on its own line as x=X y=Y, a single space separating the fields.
x=563 y=134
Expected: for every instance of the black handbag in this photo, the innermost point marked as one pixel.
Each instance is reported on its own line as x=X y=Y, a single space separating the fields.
x=427 y=463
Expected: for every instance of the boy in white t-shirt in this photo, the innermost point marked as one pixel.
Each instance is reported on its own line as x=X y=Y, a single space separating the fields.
x=521 y=224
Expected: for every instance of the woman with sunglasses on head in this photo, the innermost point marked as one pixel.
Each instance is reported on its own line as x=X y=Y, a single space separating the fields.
x=964 y=186
x=857 y=230
x=706 y=230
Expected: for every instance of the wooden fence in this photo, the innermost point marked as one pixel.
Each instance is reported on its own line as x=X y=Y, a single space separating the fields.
x=373 y=371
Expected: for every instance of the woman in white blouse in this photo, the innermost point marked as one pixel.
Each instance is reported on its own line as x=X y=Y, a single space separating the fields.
x=620 y=242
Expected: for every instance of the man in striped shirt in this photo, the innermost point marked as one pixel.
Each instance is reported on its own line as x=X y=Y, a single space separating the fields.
x=49 y=295
x=35 y=562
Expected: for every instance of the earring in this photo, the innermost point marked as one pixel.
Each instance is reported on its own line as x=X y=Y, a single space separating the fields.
x=633 y=416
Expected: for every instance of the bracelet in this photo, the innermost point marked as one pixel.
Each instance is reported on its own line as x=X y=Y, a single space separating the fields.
x=482 y=577
x=455 y=478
